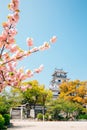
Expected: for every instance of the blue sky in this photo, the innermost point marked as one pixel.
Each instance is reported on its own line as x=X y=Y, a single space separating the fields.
x=41 y=19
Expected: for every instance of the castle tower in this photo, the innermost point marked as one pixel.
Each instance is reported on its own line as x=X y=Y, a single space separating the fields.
x=58 y=77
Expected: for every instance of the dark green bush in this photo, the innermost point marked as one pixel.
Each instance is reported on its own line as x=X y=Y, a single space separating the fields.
x=2 y=121
x=7 y=119
x=3 y=108
x=84 y=116
x=40 y=116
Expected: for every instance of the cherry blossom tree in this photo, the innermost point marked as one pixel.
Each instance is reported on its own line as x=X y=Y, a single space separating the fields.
x=11 y=53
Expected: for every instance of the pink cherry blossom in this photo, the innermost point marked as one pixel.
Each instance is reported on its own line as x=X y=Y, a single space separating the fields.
x=29 y=41
x=10 y=67
x=11 y=40
x=5 y=56
x=4 y=36
x=13 y=18
x=13 y=48
x=19 y=54
x=12 y=32
x=29 y=73
x=1 y=38
x=23 y=76
x=11 y=6
x=27 y=53
x=53 y=39
x=5 y=25
x=23 y=88
x=11 y=53
x=35 y=49
x=16 y=16
x=14 y=5
x=38 y=70
x=44 y=46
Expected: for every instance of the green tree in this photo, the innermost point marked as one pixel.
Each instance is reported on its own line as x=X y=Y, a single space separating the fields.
x=61 y=109
x=9 y=99
x=32 y=94
x=4 y=105
x=35 y=94
x=15 y=97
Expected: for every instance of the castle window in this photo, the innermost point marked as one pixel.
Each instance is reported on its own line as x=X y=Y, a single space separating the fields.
x=59 y=81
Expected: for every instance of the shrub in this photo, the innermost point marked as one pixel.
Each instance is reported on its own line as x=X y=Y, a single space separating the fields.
x=7 y=119
x=40 y=116
x=2 y=121
x=3 y=108
x=84 y=116
x=46 y=116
